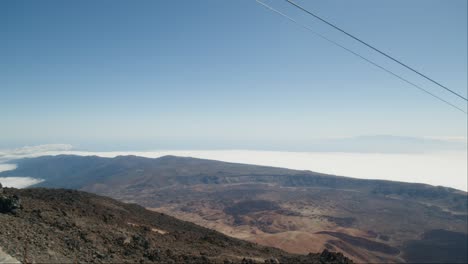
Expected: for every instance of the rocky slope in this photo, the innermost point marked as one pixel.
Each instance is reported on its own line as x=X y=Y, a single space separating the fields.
x=297 y=211
x=66 y=226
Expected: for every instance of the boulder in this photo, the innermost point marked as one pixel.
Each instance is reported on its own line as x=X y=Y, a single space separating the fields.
x=9 y=204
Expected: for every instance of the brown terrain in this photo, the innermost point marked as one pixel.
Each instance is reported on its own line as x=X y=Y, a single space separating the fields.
x=297 y=211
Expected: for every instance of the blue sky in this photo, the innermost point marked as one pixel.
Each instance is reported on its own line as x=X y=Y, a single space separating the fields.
x=224 y=74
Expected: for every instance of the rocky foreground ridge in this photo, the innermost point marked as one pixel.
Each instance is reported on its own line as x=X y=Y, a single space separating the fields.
x=65 y=226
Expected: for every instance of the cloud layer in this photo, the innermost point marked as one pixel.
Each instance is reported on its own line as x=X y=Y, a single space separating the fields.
x=18 y=182
x=445 y=168
x=32 y=151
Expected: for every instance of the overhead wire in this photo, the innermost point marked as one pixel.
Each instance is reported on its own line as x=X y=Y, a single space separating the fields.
x=359 y=56
x=375 y=49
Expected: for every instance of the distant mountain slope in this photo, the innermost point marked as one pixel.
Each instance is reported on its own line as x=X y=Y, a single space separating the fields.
x=298 y=211
x=76 y=172
x=65 y=226
x=438 y=246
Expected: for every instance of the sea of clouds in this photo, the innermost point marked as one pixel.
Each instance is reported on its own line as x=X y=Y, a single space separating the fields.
x=445 y=168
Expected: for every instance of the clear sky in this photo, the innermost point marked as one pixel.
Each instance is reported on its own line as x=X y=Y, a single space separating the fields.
x=224 y=74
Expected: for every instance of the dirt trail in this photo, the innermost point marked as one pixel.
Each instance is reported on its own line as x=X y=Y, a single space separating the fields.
x=5 y=258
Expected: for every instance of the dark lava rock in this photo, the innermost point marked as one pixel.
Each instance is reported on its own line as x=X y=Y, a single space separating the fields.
x=329 y=257
x=9 y=203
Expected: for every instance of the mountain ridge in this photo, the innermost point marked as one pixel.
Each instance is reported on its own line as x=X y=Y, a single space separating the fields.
x=172 y=158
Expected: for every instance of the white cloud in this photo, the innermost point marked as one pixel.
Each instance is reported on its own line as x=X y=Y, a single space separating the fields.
x=18 y=182
x=32 y=151
x=7 y=167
